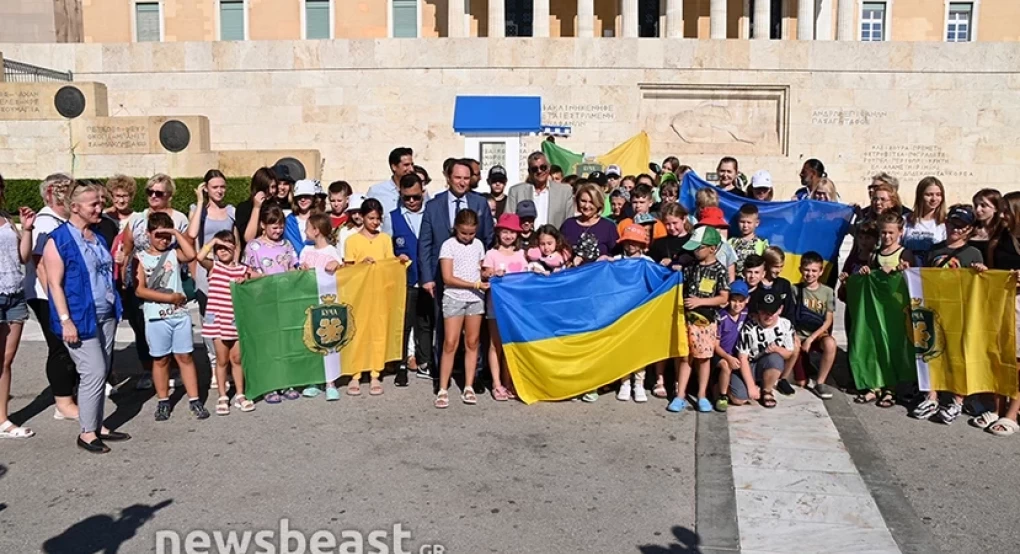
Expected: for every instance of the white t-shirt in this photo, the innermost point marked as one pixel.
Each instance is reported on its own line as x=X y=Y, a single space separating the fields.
x=467 y=266
x=45 y=222
x=342 y=234
x=921 y=236
x=319 y=257
x=755 y=339
x=542 y=206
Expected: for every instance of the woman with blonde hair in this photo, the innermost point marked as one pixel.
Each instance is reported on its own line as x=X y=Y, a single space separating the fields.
x=825 y=191
x=926 y=226
x=589 y=235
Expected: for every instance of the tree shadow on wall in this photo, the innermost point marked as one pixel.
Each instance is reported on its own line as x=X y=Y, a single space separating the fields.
x=687 y=542
x=102 y=533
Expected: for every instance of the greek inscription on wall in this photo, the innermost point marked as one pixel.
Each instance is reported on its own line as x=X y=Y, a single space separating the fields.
x=117 y=137
x=20 y=103
x=577 y=115
x=911 y=162
x=846 y=118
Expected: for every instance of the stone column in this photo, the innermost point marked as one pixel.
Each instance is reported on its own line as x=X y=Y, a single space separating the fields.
x=845 y=20
x=675 y=18
x=540 y=18
x=717 y=19
x=497 y=18
x=823 y=28
x=762 y=19
x=629 y=19
x=805 y=19
x=455 y=18
x=585 y=18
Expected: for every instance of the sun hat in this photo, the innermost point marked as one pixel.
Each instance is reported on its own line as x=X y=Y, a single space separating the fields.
x=354 y=204
x=712 y=216
x=703 y=235
x=510 y=222
x=634 y=233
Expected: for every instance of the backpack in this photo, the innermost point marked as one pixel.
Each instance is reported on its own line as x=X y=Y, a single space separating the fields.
x=806 y=319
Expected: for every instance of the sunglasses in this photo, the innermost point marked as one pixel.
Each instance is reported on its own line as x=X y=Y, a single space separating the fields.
x=412 y=197
x=155 y=193
x=538 y=169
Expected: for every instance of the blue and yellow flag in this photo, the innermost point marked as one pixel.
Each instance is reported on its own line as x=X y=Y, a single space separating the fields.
x=797 y=227
x=575 y=331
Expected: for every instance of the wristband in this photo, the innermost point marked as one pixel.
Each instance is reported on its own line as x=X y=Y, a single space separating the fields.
x=64 y=317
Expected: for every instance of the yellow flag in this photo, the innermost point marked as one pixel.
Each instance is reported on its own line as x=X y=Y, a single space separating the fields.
x=632 y=156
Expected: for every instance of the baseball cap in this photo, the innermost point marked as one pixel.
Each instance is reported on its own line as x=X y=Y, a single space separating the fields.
x=497 y=174
x=598 y=178
x=739 y=288
x=641 y=219
x=526 y=208
x=712 y=216
x=510 y=222
x=766 y=301
x=282 y=173
x=355 y=202
x=963 y=213
x=635 y=233
x=668 y=177
x=761 y=180
x=306 y=187
x=703 y=235
x=613 y=170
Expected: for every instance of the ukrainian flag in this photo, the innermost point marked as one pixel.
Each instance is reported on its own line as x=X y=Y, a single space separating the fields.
x=577 y=330
x=797 y=227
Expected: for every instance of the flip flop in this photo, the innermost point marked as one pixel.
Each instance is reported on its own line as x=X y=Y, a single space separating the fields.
x=353 y=388
x=375 y=389
x=499 y=394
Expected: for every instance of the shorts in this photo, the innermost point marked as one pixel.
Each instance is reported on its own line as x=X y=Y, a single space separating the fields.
x=169 y=336
x=701 y=340
x=218 y=326
x=453 y=307
x=14 y=309
x=738 y=388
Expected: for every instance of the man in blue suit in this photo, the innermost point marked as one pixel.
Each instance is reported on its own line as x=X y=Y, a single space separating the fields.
x=437 y=226
x=420 y=311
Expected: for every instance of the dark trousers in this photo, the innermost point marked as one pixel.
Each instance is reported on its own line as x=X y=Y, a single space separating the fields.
x=419 y=316
x=60 y=368
x=133 y=314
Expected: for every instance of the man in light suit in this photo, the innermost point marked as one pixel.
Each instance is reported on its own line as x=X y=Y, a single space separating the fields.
x=553 y=201
x=437 y=227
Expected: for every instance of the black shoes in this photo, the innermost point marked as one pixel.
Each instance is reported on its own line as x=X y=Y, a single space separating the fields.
x=401 y=378
x=785 y=388
x=114 y=436
x=96 y=446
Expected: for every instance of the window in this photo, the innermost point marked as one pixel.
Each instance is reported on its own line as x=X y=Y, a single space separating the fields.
x=405 y=18
x=232 y=20
x=147 y=22
x=873 y=21
x=317 y=19
x=958 y=22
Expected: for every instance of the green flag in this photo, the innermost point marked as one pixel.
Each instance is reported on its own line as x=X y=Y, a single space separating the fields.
x=557 y=155
x=881 y=353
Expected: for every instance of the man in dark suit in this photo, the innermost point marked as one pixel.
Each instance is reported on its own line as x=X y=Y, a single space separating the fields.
x=437 y=227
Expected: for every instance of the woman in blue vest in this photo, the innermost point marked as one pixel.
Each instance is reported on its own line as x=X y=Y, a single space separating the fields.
x=85 y=307
x=418 y=312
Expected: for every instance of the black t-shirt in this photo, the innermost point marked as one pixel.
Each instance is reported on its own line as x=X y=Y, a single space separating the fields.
x=1006 y=254
x=941 y=255
x=242 y=215
x=672 y=248
x=705 y=281
x=981 y=245
x=108 y=229
x=500 y=206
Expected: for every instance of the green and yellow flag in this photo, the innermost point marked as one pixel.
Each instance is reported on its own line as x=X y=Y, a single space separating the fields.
x=309 y=327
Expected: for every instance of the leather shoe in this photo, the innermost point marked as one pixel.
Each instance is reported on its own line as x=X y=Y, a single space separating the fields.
x=401 y=378
x=95 y=447
x=114 y=436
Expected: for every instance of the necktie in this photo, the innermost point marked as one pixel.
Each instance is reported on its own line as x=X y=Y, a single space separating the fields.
x=458 y=202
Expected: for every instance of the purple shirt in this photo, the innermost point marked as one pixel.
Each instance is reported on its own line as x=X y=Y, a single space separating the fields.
x=269 y=258
x=729 y=330
x=604 y=232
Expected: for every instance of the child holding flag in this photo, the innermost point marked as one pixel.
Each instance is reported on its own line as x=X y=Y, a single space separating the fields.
x=706 y=288
x=321 y=254
x=505 y=258
x=634 y=240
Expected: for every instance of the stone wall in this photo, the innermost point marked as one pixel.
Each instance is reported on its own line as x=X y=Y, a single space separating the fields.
x=908 y=108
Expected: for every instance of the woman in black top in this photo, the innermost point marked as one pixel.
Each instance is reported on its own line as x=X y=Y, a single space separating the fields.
x=1004 y=253
x=989 y=219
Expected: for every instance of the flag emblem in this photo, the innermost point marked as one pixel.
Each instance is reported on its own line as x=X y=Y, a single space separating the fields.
x=329 y=326
x=925 y=331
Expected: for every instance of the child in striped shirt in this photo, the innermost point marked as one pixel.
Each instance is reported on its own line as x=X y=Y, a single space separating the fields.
x=218 y=323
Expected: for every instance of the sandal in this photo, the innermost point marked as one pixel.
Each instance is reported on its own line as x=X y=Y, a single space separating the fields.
x=468 y=396
x=223 y=406
x=375 y=388
x=1004 y=427
x=984 y=420
x=292 y=394
x=354 y=388
x=242 y=403
x=8 y=430
x=886 y=400
x=768 y=400
x=272 y=398
x=866 y=397
x=511 y=394
x=442 y=400
x=660 y=390
x=499 y=394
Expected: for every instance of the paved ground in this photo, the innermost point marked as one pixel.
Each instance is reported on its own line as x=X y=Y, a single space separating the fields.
x=564 y=477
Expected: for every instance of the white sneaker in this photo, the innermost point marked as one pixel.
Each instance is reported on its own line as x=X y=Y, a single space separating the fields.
x=640 y=395
x=624 y=394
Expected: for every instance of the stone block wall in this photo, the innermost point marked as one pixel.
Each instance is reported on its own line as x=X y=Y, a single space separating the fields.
x=911 y=109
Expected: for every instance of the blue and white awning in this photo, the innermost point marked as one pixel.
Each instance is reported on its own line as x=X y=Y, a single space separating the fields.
x=502 y=115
